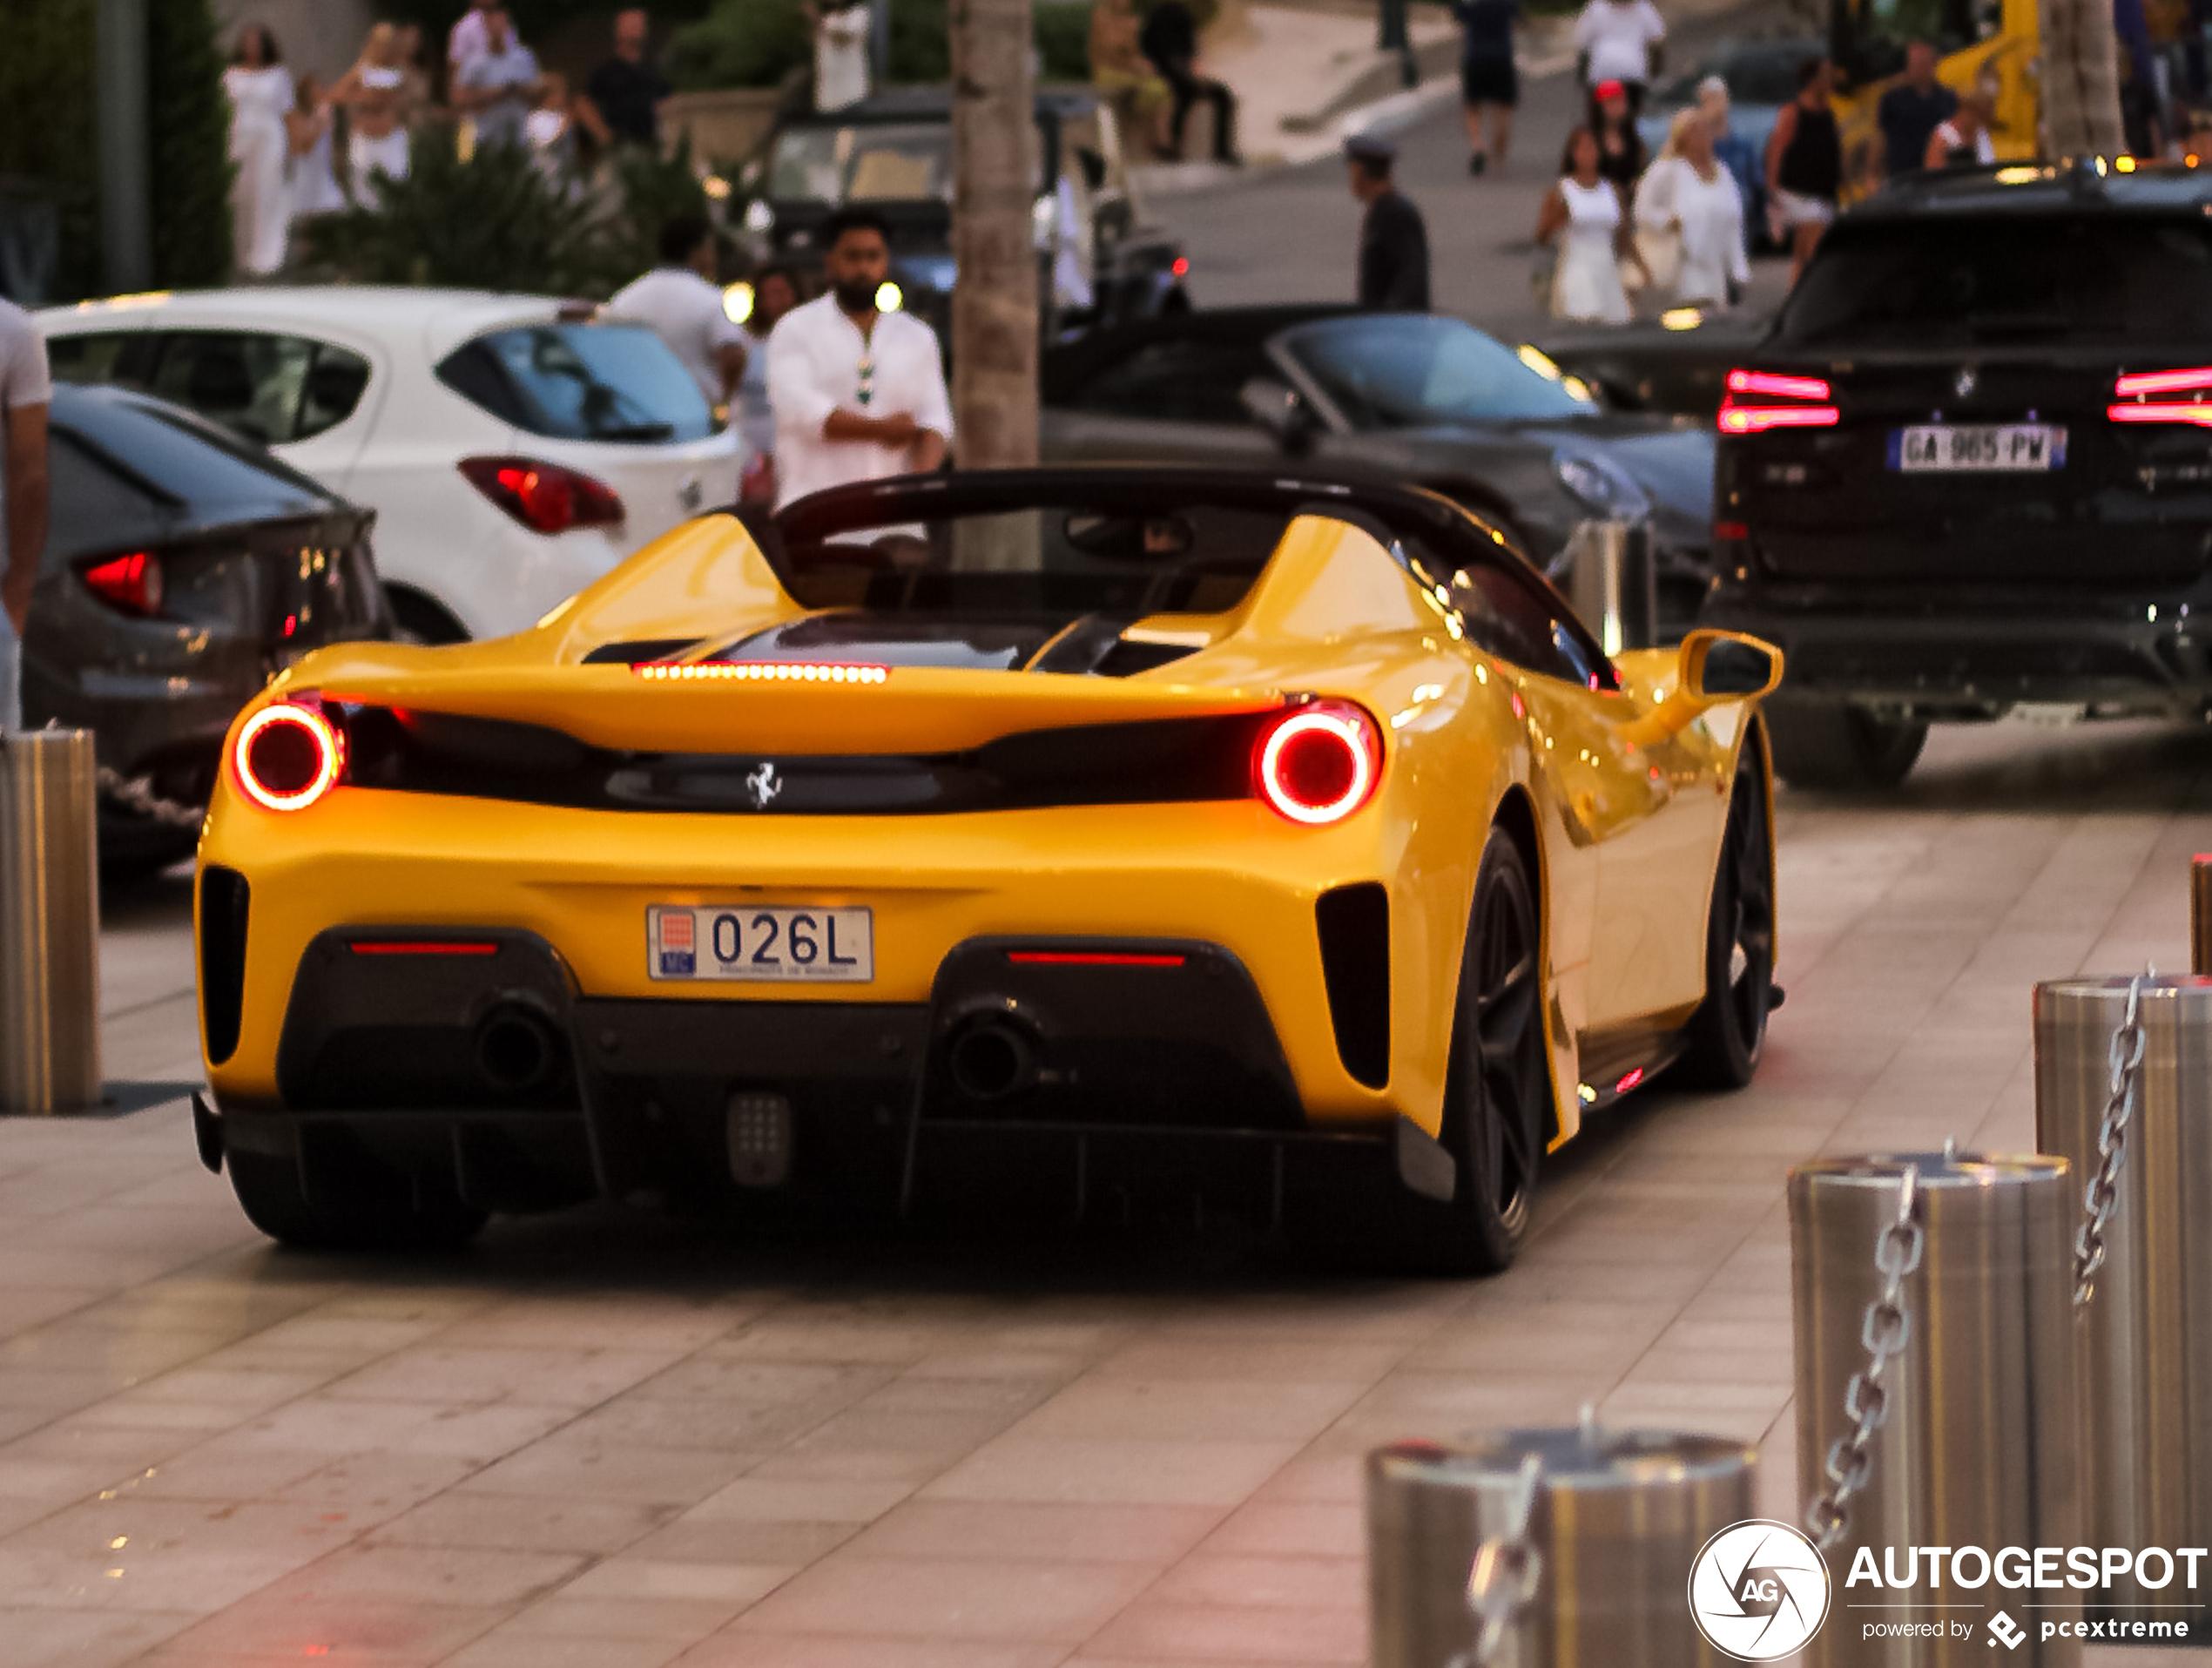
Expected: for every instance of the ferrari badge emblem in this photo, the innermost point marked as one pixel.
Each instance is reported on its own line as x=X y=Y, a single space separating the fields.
x=763 y=785
x=1962 y=384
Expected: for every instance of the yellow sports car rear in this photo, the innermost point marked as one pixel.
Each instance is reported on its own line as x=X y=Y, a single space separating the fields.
x=1035 y=823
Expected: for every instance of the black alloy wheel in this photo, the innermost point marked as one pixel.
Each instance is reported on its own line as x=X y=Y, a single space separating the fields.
x=1727 y=1032
x=409 y=1219
x=1498 y=1111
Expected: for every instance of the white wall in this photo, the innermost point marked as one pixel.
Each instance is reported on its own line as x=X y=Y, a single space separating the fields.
x=324 y=36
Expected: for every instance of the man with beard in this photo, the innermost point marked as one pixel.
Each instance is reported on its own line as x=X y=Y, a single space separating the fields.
x=858 y=394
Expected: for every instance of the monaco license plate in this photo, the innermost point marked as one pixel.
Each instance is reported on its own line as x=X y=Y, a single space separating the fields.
x=772 y=943
x=1978 y=447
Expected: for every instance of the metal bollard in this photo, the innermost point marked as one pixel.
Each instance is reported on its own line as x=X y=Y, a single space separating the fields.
x=1617 y=1520
x=2201 y=914
x=50 y=923
x=2146 y=1333
x=1975 y=1446
x=1614 y=583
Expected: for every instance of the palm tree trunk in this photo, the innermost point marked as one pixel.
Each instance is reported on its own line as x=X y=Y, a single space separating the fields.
x=995 y=187
x=2080 y=79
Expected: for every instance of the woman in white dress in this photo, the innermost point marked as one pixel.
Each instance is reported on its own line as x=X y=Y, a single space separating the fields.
x=259 y=88
x=1583 y=216
x=372 y=91
x=315 y=181
x=1688 y=194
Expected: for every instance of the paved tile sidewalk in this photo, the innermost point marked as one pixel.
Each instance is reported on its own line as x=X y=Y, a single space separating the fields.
x=608 y=1440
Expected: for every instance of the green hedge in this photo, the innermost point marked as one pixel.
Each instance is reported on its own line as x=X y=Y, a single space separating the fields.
x=49 y=135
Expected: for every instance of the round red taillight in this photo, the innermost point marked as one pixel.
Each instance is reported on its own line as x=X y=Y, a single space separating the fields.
x=1318 y=764
x=288 y=756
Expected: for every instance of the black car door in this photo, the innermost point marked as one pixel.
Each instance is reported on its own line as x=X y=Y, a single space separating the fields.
x=1167 y=399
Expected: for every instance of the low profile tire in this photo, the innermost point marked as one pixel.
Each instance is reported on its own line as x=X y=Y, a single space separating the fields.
x=1832 y=744
x=415 y=618
x=1497 y=1096
x=1727 y=1032
x=269 y=1191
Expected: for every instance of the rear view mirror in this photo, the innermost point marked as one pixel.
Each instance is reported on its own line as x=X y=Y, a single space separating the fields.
x=1276 y=407
x=1721 y=665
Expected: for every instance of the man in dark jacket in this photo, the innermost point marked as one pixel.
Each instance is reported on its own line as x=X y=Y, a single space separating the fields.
x=1394 y=239
x=1170 y=39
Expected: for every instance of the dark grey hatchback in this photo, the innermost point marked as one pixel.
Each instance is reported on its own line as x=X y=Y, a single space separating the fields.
x=183 y=567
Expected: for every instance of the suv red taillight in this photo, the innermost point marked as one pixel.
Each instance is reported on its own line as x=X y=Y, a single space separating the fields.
x=1318 y=763
x=131 y=583
x=2136 y=388
x=287 y=756
x=1749 y=406
x=544 y=497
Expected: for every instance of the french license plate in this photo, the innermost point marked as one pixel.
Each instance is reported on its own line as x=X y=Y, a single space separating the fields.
x=1995 y=448
x=773 y=942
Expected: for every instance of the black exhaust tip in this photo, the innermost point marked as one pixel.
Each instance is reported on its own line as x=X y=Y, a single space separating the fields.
x=517 y=1049
x=992 y=1058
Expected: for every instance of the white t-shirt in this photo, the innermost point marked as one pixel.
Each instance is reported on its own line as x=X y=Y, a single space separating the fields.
x=815 y=355
x=841 y=58
x=686 y=312
x=470 y=37
x=1618 y=38
x=508 y=73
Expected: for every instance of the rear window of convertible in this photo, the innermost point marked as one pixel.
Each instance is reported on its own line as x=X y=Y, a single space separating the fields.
x=581 y=381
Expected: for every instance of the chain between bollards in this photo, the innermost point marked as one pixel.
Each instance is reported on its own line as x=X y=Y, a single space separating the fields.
x=1887 y=1328
x=2124 y=1066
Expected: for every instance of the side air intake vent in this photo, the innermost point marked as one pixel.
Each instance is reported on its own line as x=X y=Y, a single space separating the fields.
x=1354 y=923
x=223 y=896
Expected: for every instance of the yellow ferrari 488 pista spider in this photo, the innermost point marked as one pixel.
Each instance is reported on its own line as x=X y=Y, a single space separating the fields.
x=1078 y=827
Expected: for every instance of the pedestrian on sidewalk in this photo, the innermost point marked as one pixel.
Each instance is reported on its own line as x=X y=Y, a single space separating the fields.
x=1804 y=165
x=1583 y=216
x=1170 y=39
x=775 y=292
x=1489 y=85
x=1911 y=111
x=1622 y=157
x=841 y=30
x=1689 y=198
x=499 y=86
x=622 y=99
x=1394 y=239
x=26 y=389
x=1622 y=41
x=1962 y=140
x=1735 y=152
x=261 y=91
x=1125 y=78
x=377 y=140
x=314 y=176
x=681 y=301
x=858 y=394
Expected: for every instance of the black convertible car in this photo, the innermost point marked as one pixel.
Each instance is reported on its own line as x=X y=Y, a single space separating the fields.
x=1970 y=469
x=1398 y=397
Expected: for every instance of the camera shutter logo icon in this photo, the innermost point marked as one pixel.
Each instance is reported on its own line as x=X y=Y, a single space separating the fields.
x=1758 y=1590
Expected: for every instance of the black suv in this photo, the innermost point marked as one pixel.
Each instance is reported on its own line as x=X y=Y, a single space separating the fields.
x=1970 y=468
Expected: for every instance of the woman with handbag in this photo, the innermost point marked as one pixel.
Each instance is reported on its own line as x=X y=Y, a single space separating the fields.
x=1582 y=217
x=1690 y=220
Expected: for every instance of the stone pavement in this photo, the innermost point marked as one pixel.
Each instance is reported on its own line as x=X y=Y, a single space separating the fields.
x=616 y=1442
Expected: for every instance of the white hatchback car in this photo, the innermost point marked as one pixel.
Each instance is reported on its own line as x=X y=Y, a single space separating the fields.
x=513 y=449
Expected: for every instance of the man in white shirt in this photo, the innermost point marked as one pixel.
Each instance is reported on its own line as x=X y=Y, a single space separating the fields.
x=498 y=87
x=26 y=389
x=1619 y=40
x=680 y=300
x=858 y=394
x=467 y=38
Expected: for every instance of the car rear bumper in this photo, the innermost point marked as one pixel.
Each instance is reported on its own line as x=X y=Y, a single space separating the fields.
x=1978 y=657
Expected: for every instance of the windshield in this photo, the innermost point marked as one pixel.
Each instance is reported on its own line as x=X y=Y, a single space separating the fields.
x=1983 y=278
x=879 y=162
x=581 y=381
x=1405 y=370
